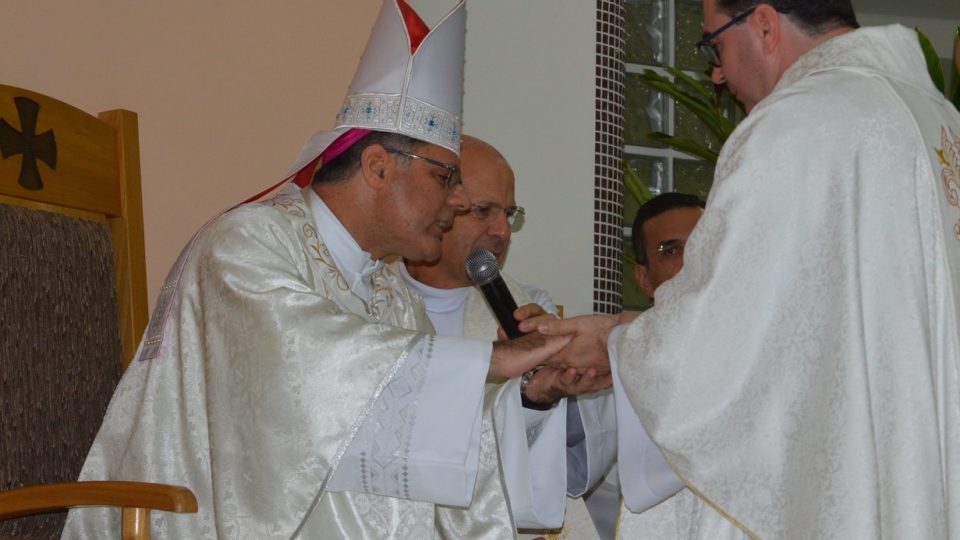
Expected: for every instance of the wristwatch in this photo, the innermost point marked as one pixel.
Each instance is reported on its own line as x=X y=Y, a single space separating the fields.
x=527 y=402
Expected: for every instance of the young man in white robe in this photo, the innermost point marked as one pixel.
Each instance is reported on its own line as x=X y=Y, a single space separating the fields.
x=288 y=376
x=800 y=374
x=550 y=446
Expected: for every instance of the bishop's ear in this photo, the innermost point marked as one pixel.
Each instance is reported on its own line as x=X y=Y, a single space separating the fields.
x=375 y=165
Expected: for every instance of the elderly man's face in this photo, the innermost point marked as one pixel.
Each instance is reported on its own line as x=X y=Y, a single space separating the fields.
x=664 y=238
x=488 y=185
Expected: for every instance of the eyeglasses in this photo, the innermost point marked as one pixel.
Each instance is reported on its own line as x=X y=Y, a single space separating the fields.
x=449 y=181
x=489 y=211
x=708 y=49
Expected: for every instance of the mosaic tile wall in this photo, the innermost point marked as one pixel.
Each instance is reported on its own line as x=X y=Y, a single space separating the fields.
x=608 y=148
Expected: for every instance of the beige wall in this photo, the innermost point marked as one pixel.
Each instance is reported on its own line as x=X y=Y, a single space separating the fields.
x=226 y=91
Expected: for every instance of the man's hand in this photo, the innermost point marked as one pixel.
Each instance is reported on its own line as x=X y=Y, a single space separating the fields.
x=588 y=348
x=514 y=357
x=533 y=312
x=549 y=385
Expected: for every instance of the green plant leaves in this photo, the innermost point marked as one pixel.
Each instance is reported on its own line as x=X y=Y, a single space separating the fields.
x=635 y=185
x=698 y=98
x=936 y=69
x=955 y=93
x=932 y=59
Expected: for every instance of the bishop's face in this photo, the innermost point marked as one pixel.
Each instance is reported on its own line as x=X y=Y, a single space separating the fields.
x=421 y=204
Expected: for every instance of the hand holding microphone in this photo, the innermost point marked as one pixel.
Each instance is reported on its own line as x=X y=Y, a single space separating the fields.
x=588 y=352
x=521 y=353
x=484 y=271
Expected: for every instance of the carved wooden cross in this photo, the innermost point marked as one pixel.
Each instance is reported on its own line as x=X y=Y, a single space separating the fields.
x=28 y=144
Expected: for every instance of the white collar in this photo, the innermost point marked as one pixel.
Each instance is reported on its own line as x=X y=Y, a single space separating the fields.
x=434 y=299
x=890 y=50
x=354 y=263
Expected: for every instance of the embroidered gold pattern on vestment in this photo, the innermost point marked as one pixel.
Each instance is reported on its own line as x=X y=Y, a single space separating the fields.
x=949 y=157
x=382 y=297
x=288 y=203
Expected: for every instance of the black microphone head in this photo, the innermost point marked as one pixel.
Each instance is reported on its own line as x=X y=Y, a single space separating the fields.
x=482 y=266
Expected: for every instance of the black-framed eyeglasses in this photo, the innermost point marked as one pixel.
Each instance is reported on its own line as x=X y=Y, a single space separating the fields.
x=489 y=211
x=449 y=181
x=708 y=49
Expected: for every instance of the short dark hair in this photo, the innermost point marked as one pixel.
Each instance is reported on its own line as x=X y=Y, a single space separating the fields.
x=347 y=164
x=813 y=16
x=653 y=208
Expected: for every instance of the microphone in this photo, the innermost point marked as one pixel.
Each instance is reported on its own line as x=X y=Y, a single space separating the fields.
x=484 y=271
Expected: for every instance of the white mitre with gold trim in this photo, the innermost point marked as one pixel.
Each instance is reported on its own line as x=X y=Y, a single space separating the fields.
x=409 y=81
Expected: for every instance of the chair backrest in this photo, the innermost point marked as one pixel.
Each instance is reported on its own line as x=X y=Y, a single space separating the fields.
x=72 y=283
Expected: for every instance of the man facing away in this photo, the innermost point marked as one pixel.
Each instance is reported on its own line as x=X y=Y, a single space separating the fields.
x=800 y=375
x=539 y=466
x=288 y=376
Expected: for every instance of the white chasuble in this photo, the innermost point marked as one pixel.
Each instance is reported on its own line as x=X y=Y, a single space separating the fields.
x=800 y=373
x=258 y=370
x=654 y=504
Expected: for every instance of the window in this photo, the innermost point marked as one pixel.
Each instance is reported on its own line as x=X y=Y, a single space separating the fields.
x=660 y=33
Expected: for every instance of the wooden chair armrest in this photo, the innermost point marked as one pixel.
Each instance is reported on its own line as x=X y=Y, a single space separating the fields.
x=50 y=497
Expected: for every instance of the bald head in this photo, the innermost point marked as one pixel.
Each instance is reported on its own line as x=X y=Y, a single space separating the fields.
x=488 y=184
x=479 y=159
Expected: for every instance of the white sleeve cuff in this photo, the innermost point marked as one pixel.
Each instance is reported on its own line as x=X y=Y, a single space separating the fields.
x=421 y=440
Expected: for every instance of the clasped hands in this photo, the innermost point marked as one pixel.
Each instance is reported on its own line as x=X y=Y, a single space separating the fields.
x=573 y=353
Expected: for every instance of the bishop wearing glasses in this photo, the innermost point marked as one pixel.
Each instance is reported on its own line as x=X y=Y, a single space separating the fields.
x=288 y=376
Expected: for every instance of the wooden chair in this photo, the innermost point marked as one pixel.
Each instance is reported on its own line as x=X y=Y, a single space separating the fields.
x=72 y=308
